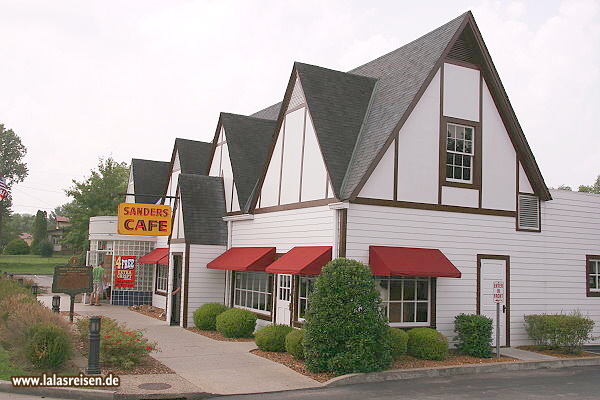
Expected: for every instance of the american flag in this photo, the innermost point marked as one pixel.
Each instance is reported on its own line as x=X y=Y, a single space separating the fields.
x=3 y=188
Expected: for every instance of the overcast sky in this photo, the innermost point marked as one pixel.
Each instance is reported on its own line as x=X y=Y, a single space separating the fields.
x=86 y=79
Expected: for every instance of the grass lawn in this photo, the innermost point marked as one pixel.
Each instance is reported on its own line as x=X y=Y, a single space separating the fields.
x=31 y=264
x=6 y=368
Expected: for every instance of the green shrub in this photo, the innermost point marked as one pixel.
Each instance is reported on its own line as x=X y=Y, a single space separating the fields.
x=205 y=317
x=235 y=323
x=399 y=342
x=16 y=246
x=474 y=335
x=47 y=346
x=46 y=248
x=427 y=343
x=293 y=343
x=344 y=319
x=565 y=332
x=272 y=337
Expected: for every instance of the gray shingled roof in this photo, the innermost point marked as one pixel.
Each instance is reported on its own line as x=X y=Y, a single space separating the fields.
x=203 y=205
x=248 y=141
x=194 y=156
x=149 y=178
x=271 y=112
x=338 y=102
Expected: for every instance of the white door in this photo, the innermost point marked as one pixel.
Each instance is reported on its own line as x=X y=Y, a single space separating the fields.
x=493 y=270
x=284 y=299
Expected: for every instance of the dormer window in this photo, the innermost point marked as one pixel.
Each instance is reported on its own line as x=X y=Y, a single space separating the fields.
x=459 y=153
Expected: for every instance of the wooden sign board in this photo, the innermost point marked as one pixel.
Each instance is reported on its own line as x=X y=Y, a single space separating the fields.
x=144 y=219
x=72 y=280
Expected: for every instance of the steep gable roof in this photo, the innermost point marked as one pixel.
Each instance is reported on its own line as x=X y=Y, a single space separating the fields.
x=149 y=179
x=194 y=156
x=271 y=112
x=248 y=141
x=202 y=200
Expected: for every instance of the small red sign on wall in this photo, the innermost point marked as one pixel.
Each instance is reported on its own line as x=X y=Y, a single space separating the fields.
x=125 y=271
x=498 y=292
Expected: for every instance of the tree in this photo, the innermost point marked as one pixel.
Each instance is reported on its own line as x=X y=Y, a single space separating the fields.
x=16 y=246
x=12 y=167
x=595 y=188
x=40 y=231
x=14 y=225
x=96 y=195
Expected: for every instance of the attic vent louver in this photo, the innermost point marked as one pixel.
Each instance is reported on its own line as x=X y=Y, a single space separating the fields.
x=529 y=212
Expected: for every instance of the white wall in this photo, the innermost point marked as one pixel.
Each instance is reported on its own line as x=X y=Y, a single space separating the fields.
x=547 y=269
x=158 y=300
x=130 y=187
x=380 y=184
x=292 y=156
x=314 y=173
x=461 y=92
x=215 y=166
x=524 y=184
x=452 y=196
x=221 y=166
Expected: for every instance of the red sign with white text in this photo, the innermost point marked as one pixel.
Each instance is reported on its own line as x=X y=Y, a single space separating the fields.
x=125 y=271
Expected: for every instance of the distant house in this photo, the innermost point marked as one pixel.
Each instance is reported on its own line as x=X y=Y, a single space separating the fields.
x=27 y=238
x=57 y=232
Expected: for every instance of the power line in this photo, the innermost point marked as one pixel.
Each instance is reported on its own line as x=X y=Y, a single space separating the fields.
x=33 y=197
x=44 y=190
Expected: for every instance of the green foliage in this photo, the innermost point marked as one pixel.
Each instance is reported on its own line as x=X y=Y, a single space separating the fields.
x=272 y=337
x=427 y=343
x=235 y=323
x=399 y=342
x=48 y=346
x=345 y=319
x=40 y=231
x=16 y=247
x=46 y=248
x=293 y=343
x=8 y=367
x=205 y=317
x=474 y=335
x=595 y=188
x=31 y=264
x=567 y=332
x=13 y=225
x=96 y=195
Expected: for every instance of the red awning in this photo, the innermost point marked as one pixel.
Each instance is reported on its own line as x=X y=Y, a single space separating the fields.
x=244 y=259
x=301 y=261
x=156 y=256
x=406 y=261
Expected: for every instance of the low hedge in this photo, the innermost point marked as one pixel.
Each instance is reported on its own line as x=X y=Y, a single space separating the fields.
x=567 y=332
x=272 y=337
x=205 y=317
x=47 y=346
x=474 y=335
x=399 y=342
x=235 y=323
x=293 y=343
x=427 y=343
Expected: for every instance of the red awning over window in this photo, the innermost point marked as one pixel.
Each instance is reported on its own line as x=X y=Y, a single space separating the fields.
x=301 y=261
x=244 y=259
x=407 y=261
x=156 y=256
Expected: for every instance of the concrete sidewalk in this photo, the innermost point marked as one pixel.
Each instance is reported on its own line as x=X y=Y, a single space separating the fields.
x=213 y=366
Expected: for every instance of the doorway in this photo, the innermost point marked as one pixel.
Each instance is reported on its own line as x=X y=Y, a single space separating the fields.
x=284 y=299
x=491 y=268
x=176 y=292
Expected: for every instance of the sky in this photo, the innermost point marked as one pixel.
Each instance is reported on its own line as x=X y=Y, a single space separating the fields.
x=81 y=80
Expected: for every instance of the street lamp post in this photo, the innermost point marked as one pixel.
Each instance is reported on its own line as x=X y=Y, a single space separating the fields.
x=56 y=304
x=94 y=347
x=34 y=289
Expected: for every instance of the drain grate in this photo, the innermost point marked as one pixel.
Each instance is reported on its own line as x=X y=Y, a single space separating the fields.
x=154 y=386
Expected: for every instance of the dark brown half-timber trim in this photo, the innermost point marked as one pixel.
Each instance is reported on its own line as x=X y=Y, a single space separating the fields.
x=588 y=292
x=434 y=207
x=476 y=165
x=539 y=214
x=480 y=144
x=186 y=285
x=507 y=287
x=433 y=308
x=442 y=140
x=173 y=212
x=295 y=296
x=299 y=106
x=281 y=161
x=295 y=206
x=395 y=196
x=302 y=157
x=343 y=228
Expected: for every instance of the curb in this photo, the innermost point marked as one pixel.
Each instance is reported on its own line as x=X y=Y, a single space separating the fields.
x=160 y=396
x=469 y=369
x=66 y=393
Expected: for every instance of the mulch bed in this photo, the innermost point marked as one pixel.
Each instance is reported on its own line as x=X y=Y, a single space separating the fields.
x=218 y=336
x=556 y=352
x=150 y=311
x=149 y=365
x=405 y=362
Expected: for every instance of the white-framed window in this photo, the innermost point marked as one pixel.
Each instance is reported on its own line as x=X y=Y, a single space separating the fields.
x=253 y=290
x=305 y=285
x=593 y=273
x=406 y=300
x=162 y=277
x=105 y=245
x=459 y=153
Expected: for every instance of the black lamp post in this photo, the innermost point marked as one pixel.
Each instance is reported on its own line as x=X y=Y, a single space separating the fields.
x=56 y=304
x=94 y=348
x=34 y=289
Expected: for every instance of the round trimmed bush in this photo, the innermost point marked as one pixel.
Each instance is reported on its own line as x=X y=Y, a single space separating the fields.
x=474 y=335
x=236 y=323
x=427 y=343
x=293 y=343
x=16 y=246
x=272 y=337
x=205 y=317
x=399 y=342
x=47 y=346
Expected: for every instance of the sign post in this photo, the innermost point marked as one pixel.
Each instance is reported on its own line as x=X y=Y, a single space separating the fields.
x=72 y=280
x=498 y=292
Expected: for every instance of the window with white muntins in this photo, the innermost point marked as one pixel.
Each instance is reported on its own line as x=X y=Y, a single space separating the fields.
x=459 y=153
x=252 y=290
x=594 y=275
x=162 y=277
x=406 y=300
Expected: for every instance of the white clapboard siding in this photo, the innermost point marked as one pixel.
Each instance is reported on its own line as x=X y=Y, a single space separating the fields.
x=205 y=285
x=547 y=268
x=312 y=226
